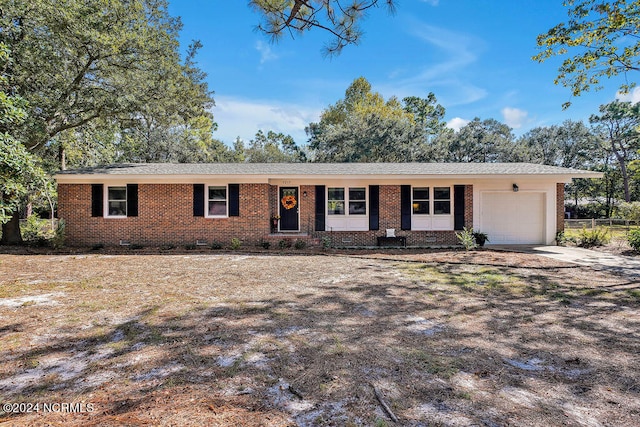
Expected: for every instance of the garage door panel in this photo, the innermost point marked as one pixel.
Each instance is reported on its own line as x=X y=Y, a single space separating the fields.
x=513 y=218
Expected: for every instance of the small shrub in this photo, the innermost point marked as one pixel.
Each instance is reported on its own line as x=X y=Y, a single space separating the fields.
x=467 y=239
x=300 y=244
x=216 y=245
x=31 y=228
x=38 y=232
x=561 y=239
x=326 y=242
x=265 y=244
x=167 y=247
x=190 y=246
x=480 y=237
x=629 y=211
x=236 y=243
x=634 y=239
x=59 y=235
x=598 y=236
x=97 y=246
x=136 y=246
x=284 y=243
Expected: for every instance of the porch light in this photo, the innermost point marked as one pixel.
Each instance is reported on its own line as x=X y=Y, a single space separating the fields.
x=515 y=188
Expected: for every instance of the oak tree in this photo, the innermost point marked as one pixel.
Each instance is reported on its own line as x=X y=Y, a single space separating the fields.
x=601 y=39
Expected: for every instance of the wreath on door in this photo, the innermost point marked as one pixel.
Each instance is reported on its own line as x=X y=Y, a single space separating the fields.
x=289 y=202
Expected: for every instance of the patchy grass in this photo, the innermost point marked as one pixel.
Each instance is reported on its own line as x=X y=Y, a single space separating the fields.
x=456 y=338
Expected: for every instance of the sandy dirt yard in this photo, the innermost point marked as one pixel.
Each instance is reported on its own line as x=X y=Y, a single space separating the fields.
x=227 y=339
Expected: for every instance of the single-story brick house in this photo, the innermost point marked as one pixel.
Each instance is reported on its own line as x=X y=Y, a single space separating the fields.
x=351 y=203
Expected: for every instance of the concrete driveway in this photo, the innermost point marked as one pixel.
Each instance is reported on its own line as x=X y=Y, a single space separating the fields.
x=623 y=265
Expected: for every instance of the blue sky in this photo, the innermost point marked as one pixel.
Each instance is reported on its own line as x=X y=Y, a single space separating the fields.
x=474 y=55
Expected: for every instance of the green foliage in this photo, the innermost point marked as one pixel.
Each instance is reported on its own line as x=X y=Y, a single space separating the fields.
x=32 y=228
x=588 y=238
x=477 y=141
x=36 y=231
x=480 y=237
x=599 y=40
x=265 y=244
x=300 y=244
x=57 y=240
x=561 y=238
x=216 y=245
x=270 y=148
x=114 y=65
x=284 y=244
x=19 y=172
x=467 y=239
x=634 y=239
x=629 y=211
x=339 y=18
x=619 y=125
x=569 y=145
x=364 y=127
x=326 y=242
x=236 y=243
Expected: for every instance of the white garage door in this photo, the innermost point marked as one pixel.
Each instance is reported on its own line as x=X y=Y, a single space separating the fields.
x=513 y=218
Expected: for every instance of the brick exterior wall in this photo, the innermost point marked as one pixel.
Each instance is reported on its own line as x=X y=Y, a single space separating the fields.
x=390 y=218
x=468 y=206
x=560 y=207
x=166 y=217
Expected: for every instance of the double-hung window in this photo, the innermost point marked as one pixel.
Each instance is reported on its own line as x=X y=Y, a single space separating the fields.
x=431 y=201
x=335 y=201
x=420 y=202
x=117 y=201
x=357 y=201
x=339 y=198
x=442 y=200
x=217 y=201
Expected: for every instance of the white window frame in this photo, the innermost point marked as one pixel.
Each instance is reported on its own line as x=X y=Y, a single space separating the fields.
x=106 y=200
x=347 y=200
x=432 y=221
x=207 y=200
x=433 y=203
x=344 y=201
x=429 y=200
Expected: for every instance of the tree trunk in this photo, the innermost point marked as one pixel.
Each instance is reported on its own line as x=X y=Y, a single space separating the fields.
x=11 y=231
x=62 y=156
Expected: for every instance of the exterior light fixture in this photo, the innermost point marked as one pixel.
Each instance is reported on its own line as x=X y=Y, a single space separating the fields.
x=515 y=188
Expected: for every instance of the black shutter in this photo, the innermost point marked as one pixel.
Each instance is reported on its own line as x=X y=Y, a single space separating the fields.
x=198 y=199
x=374 y=207
x=132 y=199
x=97 y=204
x=320 y=208
x=405 y=207
x=458 y=207
x=234 y=199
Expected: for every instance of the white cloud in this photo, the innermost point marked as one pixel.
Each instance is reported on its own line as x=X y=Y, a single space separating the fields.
x=457 y=123
x=266 y=54
x=633 y=96
x=514 y=117
x=243 y=118
x=455 y=53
